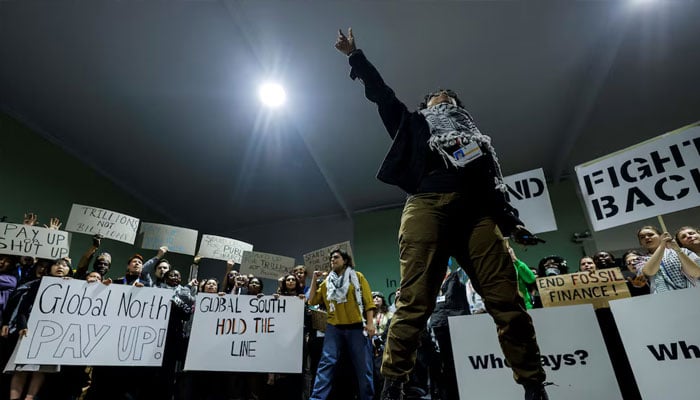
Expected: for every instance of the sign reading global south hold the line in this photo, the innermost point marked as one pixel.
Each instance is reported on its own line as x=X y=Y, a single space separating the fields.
x=97 y=221
x=656 y=177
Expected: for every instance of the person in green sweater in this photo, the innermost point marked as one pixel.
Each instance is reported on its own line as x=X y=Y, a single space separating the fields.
x=525 y=277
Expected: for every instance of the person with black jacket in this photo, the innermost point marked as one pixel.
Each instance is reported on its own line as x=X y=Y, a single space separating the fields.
x=456 y=207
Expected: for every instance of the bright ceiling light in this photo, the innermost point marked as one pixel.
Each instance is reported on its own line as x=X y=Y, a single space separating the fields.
x=272 y=94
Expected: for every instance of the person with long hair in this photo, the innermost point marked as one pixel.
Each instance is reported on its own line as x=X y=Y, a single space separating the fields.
x=348 y=299
x=666 y=265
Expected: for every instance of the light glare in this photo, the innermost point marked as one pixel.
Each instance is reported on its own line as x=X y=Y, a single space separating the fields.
x=272 y=94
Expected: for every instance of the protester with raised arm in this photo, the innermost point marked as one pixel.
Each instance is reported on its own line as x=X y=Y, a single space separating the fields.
x=668 y=266
x=456 y=207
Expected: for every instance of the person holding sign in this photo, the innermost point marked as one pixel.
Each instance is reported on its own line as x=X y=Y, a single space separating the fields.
x=688 y=237
x=457 y=206
x=348 y=299
x=668 y=266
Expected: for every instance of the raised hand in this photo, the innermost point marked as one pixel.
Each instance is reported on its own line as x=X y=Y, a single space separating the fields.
x=197 y=259
x=345 y=44
x=30 y=219
x=96 y=240
x=54 y=223
x=639 y=281
x=162 y=251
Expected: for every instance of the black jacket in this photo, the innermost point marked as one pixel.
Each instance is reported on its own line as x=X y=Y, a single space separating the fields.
x=405 y=163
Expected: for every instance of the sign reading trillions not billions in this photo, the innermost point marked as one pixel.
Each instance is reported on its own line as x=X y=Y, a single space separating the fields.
x=78 y=323
x=655 y=177
x=110 y=224
x=33 y=241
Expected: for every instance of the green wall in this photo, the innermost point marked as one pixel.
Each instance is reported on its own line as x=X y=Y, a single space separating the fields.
x=38 y=176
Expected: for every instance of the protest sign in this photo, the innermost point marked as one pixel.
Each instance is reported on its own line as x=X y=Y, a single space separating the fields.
x=78 y=323
x=595 y=288
x=572 y=352
x=110 y=224
x=662 y=341
x=176 y=239
x=27 y=240
x=656 y=177
x=221 y=248
x=527 y=192
x=264 y=265
x=246 y=334
x=318 y=260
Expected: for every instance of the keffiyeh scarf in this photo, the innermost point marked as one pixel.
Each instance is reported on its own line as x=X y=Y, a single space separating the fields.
x=337 y=287
x=452 y=127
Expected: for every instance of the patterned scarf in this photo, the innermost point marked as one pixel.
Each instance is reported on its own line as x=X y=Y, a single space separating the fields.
x=338 y=285
x=452 y=127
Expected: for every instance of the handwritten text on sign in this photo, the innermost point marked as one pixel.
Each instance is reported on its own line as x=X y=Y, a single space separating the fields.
x=176 y=239
x=583 y=288
x=221 y=248
x=653 y=178
x=110 y=224
x=246 y=333
x=319 y=260
x=78 y=323
x=25 y=240
x=264 y=265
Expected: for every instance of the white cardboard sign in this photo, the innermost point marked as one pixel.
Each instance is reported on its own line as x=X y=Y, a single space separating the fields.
x=572 y=351
x=656 y=177
x=26 y=240
x=265 y=265
x=78 y=323
x=527 y=191
x=110 y=224
x=661 y=335
x=177 y=239
x=318 y=260
x=221 y=248
x=246 y=334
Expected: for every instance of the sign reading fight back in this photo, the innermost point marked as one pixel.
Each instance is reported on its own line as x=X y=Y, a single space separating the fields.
x=33 y=241
x=656 y=177
x=109 y=224
x=595 y=288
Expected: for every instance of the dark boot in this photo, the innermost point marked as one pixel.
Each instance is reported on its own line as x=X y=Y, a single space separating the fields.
x=536 y=392
x=393 y=389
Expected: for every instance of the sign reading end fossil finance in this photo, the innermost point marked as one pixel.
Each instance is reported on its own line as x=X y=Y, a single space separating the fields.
x=264 y=265
x=527 y=192
x=176 y=239
x=662 y=340
x=221 y=248
x=595 y=288
x=572 y=352
x=78 y=323
x=246 y=334
x=656 y=177
x=318 y=260
x=110 y=224
x=33 y=241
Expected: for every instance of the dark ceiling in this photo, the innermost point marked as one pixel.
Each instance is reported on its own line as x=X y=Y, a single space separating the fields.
x=161 y=96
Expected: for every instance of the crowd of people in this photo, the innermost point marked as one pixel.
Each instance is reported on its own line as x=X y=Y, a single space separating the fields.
x=341 y=358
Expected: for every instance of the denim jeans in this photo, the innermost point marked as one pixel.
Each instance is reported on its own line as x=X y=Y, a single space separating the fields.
x=349 y=342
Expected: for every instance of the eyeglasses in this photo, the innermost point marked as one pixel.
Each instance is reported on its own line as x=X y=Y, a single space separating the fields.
x=632 y=261
x=291 y=279
x=254 y=283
